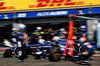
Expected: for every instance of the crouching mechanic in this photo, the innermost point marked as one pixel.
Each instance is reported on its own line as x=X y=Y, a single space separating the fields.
x=20 y=45
x=88 y=52
x=40 y=51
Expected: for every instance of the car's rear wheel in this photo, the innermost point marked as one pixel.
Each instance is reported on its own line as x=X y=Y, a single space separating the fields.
x=55 y=54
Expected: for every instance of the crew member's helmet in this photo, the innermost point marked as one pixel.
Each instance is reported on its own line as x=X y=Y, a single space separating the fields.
x=39 y=28
x=62 y=29
x=56 y=38
x=22 y=26
x=41 y=41
x=14 y=29
x=82 y=39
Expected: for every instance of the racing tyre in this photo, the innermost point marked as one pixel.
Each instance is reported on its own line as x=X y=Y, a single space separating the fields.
x=55 y=54
x=8 y=53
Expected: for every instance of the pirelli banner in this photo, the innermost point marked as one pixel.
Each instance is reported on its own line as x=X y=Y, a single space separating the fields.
x=13 y=5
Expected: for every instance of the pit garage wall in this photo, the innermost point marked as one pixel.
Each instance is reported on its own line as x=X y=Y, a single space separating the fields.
x=91 y=24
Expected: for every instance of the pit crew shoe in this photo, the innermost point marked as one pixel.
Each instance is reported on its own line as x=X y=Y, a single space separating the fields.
x=88 y=60
x=42 y=58
x=20 y=60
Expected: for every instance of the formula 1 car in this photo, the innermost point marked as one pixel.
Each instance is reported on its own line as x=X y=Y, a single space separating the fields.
x=55 y=50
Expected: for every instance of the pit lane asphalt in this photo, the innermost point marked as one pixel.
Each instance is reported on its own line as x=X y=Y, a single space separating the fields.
x=30 y=61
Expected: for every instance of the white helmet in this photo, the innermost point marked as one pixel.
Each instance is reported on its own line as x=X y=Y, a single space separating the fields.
x=22 y=26
x=56 y=38
x=41 y=41
x=39 y=28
